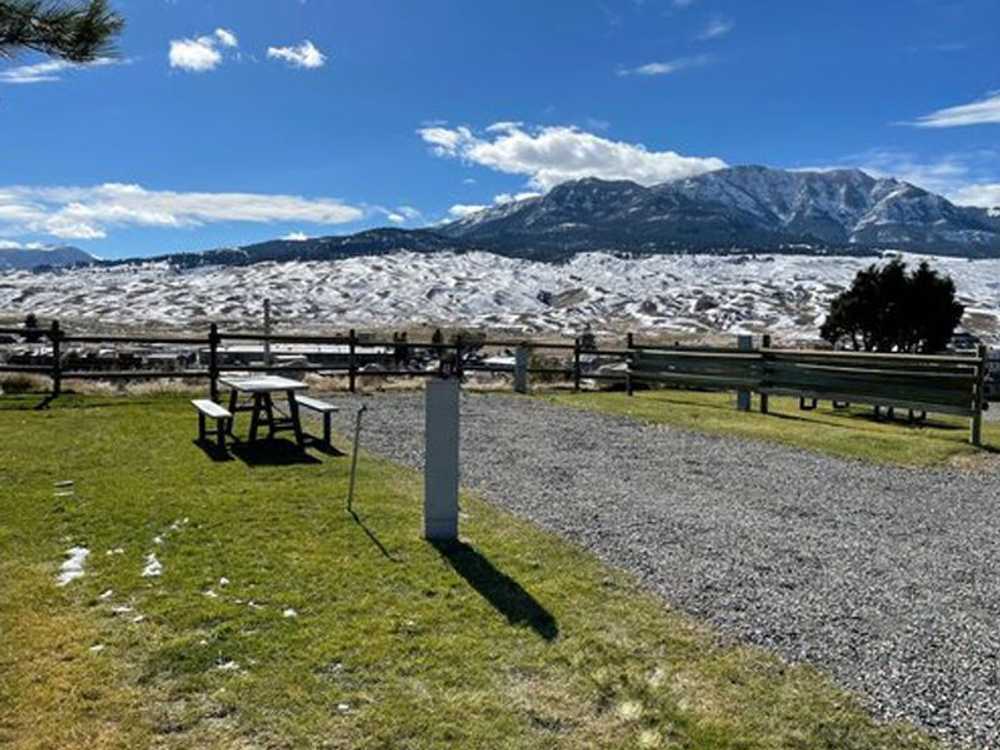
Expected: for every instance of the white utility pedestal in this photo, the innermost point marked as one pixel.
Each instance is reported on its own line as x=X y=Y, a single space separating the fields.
x=441 y=460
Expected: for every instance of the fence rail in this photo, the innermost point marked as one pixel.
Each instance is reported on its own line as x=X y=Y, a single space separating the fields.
x=948 y=384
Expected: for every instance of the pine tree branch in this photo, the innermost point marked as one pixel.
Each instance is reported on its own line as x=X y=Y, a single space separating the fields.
x=78 y=32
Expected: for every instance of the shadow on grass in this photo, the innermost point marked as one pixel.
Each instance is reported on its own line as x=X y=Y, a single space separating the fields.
x=505 y=594
x=271 y=453
x=213 y=451
x=371 y=535
x=40 y=402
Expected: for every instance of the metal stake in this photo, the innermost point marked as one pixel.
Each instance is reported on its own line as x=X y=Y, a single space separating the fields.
x=354 y=458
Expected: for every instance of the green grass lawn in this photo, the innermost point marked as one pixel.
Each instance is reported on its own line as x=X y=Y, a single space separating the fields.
x=512 y=640
x=850 y=433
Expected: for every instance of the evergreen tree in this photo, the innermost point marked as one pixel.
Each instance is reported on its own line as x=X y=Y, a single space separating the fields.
x=889 y=310
x=80 y=32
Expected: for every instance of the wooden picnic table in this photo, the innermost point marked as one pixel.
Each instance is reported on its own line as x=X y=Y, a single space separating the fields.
x=261 y=390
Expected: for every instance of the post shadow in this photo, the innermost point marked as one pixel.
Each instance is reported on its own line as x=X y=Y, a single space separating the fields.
x=371 y=535
x=505 y=594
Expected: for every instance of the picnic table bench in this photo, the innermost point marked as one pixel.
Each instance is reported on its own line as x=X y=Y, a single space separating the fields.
x=208 y=409
x=321 y=407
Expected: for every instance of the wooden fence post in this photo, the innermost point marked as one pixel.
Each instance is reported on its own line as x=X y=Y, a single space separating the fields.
x=629 y=343
x=213 y=362
x=459 y=371
x=521 y=357
x=267 y=332
x=765 y=343
x=352 y=359
x=744 y=343
x=977 y=418
x=576 y=364
x=55 y=335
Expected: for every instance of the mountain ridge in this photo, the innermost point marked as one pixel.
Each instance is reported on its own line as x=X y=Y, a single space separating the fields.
x=739 y=209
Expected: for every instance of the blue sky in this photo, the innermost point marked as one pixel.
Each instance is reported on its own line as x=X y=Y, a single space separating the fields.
x=225 y=122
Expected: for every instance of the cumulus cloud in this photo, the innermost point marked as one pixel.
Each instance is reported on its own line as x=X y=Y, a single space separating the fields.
x=551 y=155
x=982 y=112
x=668 y=67
x=202 y=53
x=305 y=55
x=51 y=70
x=89 y=212
x=226 y=38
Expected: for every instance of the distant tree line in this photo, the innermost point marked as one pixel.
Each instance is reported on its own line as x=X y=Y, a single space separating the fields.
x=888 y=309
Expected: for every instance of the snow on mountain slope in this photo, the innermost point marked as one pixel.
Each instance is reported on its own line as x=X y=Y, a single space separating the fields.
x=785 y=295
x=747 y=206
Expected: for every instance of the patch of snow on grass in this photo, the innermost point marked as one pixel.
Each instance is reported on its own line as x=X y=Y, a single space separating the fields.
x=72 y=568
x=153 y=567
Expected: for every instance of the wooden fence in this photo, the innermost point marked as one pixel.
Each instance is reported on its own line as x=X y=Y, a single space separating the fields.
x=925 y=383
x=919 y=383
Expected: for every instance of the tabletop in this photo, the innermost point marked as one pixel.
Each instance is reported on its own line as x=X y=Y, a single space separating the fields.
x=263 y=384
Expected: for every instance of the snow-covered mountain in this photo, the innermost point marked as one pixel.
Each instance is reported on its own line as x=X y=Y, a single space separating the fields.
x=36 y=257
x=786 y=295
x=737 y=207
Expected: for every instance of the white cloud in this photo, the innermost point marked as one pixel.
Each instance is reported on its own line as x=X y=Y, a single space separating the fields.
x=666 y=68
x=409 y=213
x=981 y=112
x=195 y=55
x=89 y=212
x=51 y=70
x=505 y=198
x=296 y=237
x=395 y=218
x=304 y=55
x=717 y=27
x=461 y=210
x=986 y=195
x=551 y=155
x=226 y=38
x=13 y=245
x=202 y=53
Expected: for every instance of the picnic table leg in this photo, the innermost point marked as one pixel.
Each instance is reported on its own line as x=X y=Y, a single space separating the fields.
x=293 y=412
x=201 y=427
x=255 y=417
x=233 y=399
x=269 y=407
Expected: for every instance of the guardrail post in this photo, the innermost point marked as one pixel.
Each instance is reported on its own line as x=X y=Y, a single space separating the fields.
x=213 y=362
x=55 y=335
x=352 y=360
x=521 y=357
x=745 y=344
x=576 y=364
x=629 y=343
x=977 y=417
x=765 y=343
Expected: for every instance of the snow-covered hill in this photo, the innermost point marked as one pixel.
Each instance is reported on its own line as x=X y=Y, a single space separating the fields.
x=783 y=294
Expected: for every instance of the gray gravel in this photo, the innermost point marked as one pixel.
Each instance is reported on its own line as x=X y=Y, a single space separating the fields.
x=885 y=578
